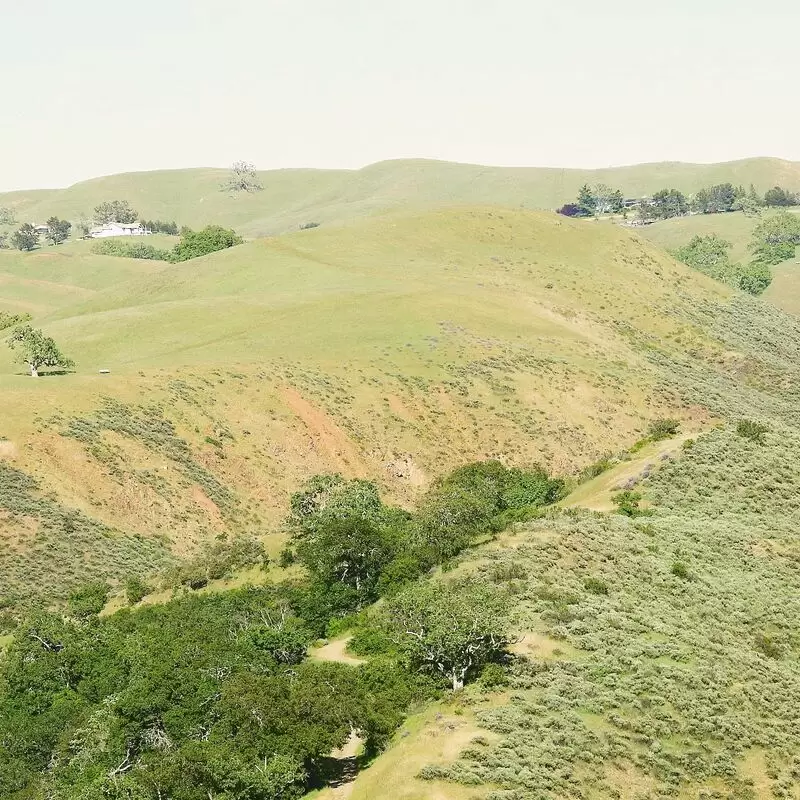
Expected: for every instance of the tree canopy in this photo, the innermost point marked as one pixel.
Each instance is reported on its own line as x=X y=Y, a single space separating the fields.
x=115 y=211
x=449 y=629
x=36 y=350
x=243 y=178
x=58 y=230
x=25 y=237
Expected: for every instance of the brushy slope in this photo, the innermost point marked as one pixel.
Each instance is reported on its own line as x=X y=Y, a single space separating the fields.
x=660 y=653
x=397 y=347
x=295 y=196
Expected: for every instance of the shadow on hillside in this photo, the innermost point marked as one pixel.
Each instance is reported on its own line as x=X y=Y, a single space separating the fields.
x=53 y=373
x=331 y=771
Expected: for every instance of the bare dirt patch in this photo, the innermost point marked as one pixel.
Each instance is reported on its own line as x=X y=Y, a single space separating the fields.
x=326 y=435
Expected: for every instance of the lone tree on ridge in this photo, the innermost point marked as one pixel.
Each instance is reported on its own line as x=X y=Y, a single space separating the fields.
x=36 y=350
x=243 y=178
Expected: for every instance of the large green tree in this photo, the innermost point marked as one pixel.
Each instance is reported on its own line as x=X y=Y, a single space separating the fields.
x=775 y=239
x=449 y=629
x=36 y=350
x=25 y=238
x=669 y=203
x=115 y=211
x=58 y=230
x=779 y=197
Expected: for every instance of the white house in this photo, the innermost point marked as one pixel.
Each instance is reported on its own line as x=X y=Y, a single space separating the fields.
x=119 y=229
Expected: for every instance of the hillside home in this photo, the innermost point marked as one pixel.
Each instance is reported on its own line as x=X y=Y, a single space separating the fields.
x=119 y=229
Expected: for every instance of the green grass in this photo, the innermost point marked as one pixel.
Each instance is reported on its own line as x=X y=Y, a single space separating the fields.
x=398 y=347
x=292 y=197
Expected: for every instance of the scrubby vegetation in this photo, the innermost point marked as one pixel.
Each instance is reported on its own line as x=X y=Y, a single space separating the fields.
x=193 y=244
x=206 y=692
x=709 y=254
x=126 y=249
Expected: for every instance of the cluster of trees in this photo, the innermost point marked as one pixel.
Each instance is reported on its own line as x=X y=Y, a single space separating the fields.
x=203 y=697
x=161 y=226
x=356 y=549
x=774 y=240
x=710 y=255
x=667 y=203
x=592 y=201
x=212 y=696
x=26 y=237
x=192 y=245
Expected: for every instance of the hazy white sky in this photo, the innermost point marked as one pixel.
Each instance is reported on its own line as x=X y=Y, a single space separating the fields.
x=95 y=87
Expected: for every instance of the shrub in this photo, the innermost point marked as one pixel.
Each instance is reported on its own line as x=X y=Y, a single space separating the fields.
x=754 y=431
x=769 y=644
x=89 y=600
x=136 y=589
x=663 y=428
x=627 y=503
x=597 y=468
x=493 y=676
x=680 y=570
x=595 y=586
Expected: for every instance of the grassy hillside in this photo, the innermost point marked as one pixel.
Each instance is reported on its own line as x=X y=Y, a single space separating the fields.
x=658 y=654
x=655 y=656
x=295 y=196
x=736 y=228
x=395 y=347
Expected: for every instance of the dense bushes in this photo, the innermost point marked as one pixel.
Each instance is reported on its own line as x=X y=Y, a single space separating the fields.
x=193 y=244
x=358 y=548
x=204 y=696
x=128 y=249
x=709 y=254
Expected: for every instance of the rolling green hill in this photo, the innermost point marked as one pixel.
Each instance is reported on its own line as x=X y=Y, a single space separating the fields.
x=654 y=656
x=394 y=347
x=292 y=197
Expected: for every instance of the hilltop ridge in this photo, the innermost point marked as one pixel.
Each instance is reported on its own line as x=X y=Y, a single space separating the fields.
x=292 y=197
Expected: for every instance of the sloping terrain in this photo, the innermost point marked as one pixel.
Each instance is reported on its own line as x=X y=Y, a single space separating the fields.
x=659 y=653
x=292 y=197
x=656 y=654
x=736 y=228
x=396 y=348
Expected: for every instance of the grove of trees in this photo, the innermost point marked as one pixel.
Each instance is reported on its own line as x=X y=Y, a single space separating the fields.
x=192 y=245
x=212 y=696
x=668 y=202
